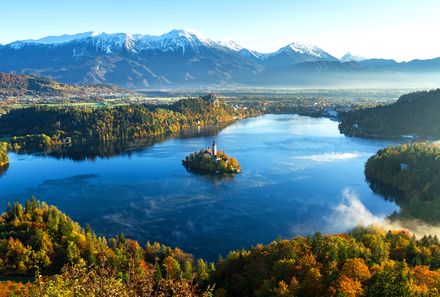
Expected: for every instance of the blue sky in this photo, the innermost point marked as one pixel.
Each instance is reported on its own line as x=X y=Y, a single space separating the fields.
x=403 y=30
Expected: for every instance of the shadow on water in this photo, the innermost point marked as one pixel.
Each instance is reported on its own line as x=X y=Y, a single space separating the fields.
x=387 y=191
x=3 y=169
x=214 y=178
x=105 y=150
x=410 y=210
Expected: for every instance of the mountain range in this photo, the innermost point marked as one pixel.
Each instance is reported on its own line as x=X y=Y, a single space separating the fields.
x=183 y=58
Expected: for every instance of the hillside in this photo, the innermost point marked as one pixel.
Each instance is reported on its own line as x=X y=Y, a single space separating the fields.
x=36 y=238
x=71 y=260
x=365 y=262
x=408 y=174
x=414 y=114
x=13 y=85
x=44 y=126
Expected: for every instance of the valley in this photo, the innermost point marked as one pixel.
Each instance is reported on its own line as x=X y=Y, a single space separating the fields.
x=121 y=173
x=219 y=148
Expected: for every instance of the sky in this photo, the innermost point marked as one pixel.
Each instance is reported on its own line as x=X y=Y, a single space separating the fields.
x=402 y=30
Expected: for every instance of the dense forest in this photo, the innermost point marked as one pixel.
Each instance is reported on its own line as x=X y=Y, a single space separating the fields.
x=410 y=175
x=34 y=141
x=415 y=114
x=41 y=125
x=364 y=262
x=204 y=162
x=67 y=260
x=4 y=159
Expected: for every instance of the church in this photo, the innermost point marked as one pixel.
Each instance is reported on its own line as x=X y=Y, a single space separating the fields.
x=213 y=151
x=214 y=148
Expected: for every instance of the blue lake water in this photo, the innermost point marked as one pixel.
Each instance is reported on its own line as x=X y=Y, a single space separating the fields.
x=299 y=175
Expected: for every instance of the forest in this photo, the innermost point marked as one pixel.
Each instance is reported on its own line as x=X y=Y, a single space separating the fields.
x=409 y=174
x=67 y=260
x=414 y=114
x=45 y=125
x=4 y=159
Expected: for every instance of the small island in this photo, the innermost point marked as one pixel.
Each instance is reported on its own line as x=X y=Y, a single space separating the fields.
x=210 y=160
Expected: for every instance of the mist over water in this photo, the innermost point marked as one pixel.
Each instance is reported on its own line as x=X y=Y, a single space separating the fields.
x=351 y=212
x=300 y=175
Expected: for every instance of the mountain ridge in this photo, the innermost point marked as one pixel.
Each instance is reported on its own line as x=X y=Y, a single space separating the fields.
x=30 y=85
x=185 y=58
x=146 y=39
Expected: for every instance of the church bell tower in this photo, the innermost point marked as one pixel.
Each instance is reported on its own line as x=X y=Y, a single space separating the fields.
x=214 y=148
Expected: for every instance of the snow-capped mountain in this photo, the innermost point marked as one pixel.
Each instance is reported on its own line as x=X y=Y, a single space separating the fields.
x=295 y=53
x=175 y=40
x=304 y=49
x=177 y=57
x=182 y=58
x=57 y=39
x=348 y=57
x=231 y=44
x=171 y=41
x=104 y=42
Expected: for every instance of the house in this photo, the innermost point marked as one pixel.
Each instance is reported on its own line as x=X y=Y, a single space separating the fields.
x=66 y=140
x=404 y=166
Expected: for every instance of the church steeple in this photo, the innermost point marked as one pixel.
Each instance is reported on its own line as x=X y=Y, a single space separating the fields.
x=214 y=148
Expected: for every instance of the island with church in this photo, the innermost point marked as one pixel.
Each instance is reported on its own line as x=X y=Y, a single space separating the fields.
x=210 y=160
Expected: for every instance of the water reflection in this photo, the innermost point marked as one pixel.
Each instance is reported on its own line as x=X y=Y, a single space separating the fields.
x=3 y=169
x=386 y=191
x=294 y=171
x=213 y=178
x=415 y=213
x=90 y=151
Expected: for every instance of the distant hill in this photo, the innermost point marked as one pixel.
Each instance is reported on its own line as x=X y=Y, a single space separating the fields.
x=21 y=85
x=415 y=114
x=182 y=58
x=42 y=126
x=349 y=57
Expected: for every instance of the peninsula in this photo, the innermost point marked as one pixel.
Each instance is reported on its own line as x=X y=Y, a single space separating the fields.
x=210 y=160
x=43 y=126
x=412 y=116
x=408 y=174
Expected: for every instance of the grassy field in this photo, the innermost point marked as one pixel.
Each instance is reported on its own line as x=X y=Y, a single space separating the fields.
x=99 y=104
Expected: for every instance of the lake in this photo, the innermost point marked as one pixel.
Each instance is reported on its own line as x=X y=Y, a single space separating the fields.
x=299 y=175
